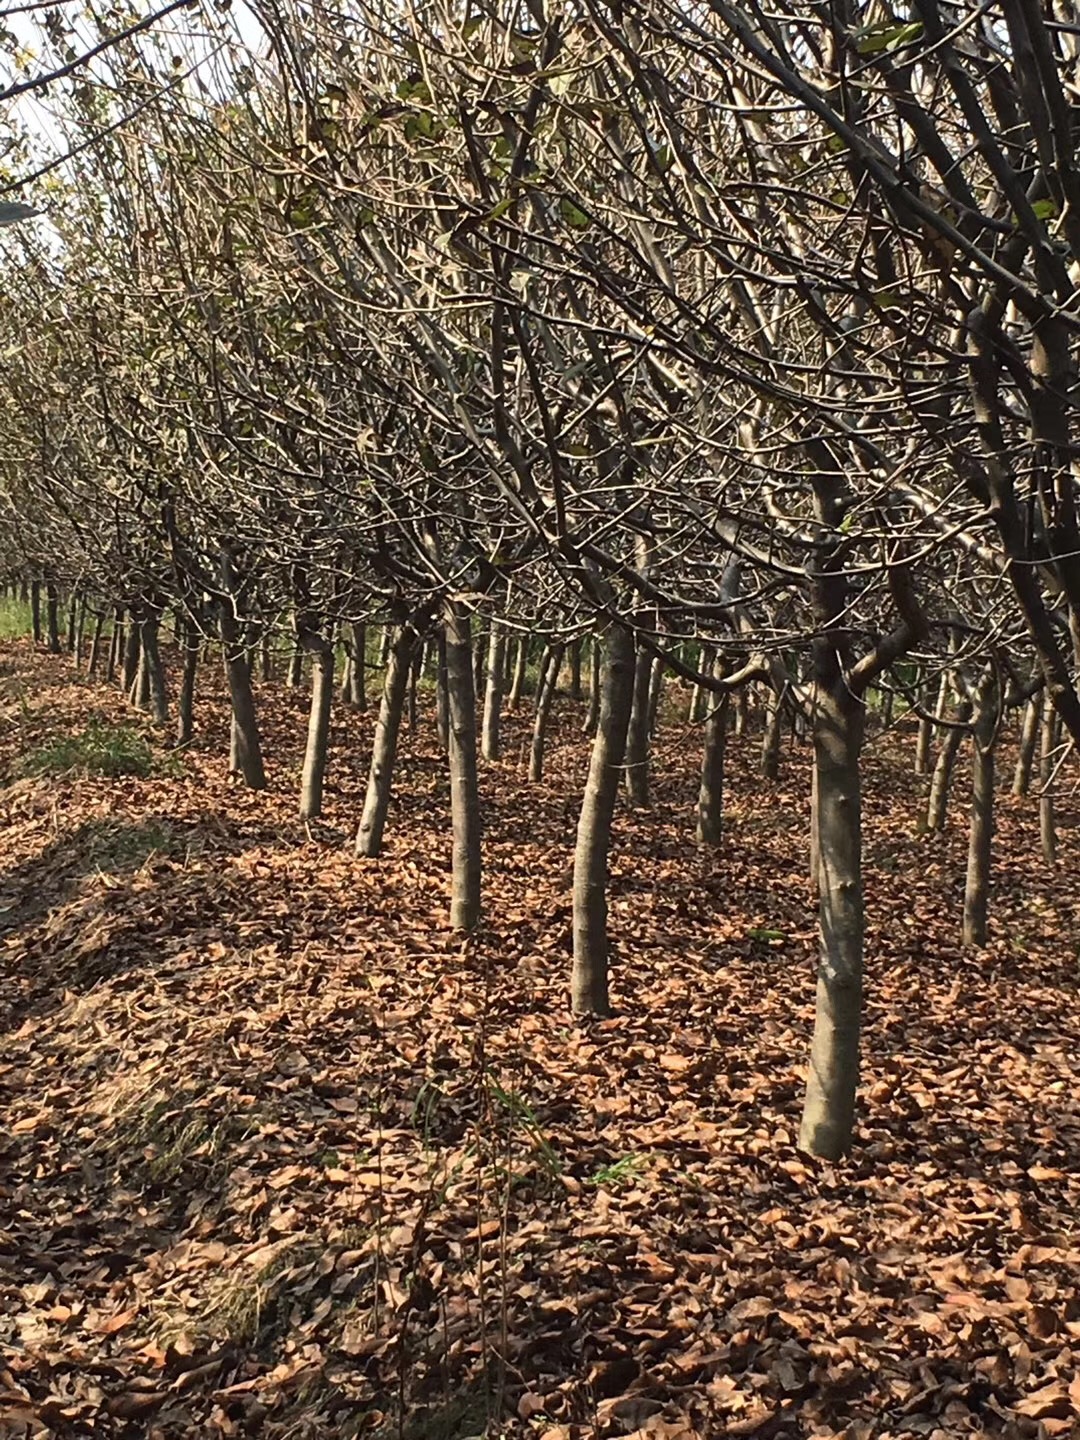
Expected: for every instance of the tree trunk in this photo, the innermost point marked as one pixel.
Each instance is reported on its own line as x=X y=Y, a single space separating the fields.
x=295 y=672
x=266 y=656
x=592 y=715
x=318 y=735
x=489 y=746
x=938 y=803
x=442 y=691
x=35 y=610
x=576 y=692
x=1047 y=747
x=656 y=690
x=115 y=655
x=245 y=749
x=357 y=696
x=926 y=727
x=95 y=644
x=185 y=705
x=589 y=979
x=544 y=701
x=981 y=834
x=415 y=670
x=637 y=734
x=1029 y=739
x=479 y=654
x=132 y=650
x=52 y=617
x=700 y=697
x=829 y=1109
x=742 y=712
x=399 y=667
x=710 y=810
x=80 y=629
x=770 y=740
x=153 y=669
x=72 y=621
x=521 y=663
x=464 y=787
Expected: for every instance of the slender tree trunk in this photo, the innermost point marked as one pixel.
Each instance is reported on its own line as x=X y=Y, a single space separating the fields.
x=266 y=655
x=35 y=610
x=415 y=670
x=770 y=740
x=926 y=727
x=938 y=803
x=544 y=701
x=829 y=1110
x=115 y=656
x=596 y=659
x=132 y=652
x=72 y=621
x=656 y=690
x=245 y=748
x=700 y=697
x=185 y=705
x=521 y=663
x=1047 y=747
x=295 y=673
x=80 y=629
x=479 y=653
x=981 y=832
x=318 y=736
x=589 y=980
x=399 y=668
x=95 y=644
x=575 y=671
x=386 y=638
x=815 y=848
x=154 y=670
x=742 y=712
x=52 y=617
x=637 y=735
x=357 y=696
x=442 y=691
x=490 y=742
x=1029 y=739
x=710 y=810
x=464 y=785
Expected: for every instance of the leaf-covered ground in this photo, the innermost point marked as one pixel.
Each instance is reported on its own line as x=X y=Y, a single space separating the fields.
x=283 y=1158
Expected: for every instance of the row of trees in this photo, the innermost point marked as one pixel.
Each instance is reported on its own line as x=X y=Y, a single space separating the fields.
x=741 y=340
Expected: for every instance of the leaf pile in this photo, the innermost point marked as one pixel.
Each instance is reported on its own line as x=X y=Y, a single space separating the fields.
x=284 y=1158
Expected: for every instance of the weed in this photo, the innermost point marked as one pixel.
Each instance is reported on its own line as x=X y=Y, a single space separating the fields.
x=620 y=1172
x=15 y=618
x=100 y=749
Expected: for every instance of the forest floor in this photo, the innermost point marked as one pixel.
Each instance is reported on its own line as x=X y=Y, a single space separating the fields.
x=281 y=1157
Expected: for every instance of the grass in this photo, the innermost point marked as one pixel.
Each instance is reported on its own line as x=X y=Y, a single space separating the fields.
x=99 y=749
x=15 y=618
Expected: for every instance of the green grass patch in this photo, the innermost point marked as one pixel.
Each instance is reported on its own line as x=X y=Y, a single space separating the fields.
x=15 y=619
x=99 y=749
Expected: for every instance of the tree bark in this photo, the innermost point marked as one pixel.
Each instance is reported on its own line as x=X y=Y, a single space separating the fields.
x=399 y=667
x=710 y=810
x=464 y=785
x=295 y=672
x=637 y=735
x=938 y=803
x=576 y=692
x=596 y=658
x=656 y=691
x=132 y=650
x=544 y=701
x=742 y=712
x=245 y=747
x=521 y=664
x=491 y=732
x=95 y=644
x=1051 y=727
x=52 y=617
x=153 y=669
x=442 y=690
x=185 y=705
x=981 y=833
x=770 y=740
x=829 y=1109
x=1029 y=739
x=589 y=979
x=318 y=734
x=35 y=610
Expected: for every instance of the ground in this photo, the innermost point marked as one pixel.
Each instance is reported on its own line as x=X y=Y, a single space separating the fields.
x=284 y=1158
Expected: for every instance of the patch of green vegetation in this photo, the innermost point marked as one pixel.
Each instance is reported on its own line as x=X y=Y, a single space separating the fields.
x=765 y=935
x=15 y=619
x=620 y=1172
x=99 y=749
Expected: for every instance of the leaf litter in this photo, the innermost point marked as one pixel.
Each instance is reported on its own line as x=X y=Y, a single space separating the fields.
x=283 y=1157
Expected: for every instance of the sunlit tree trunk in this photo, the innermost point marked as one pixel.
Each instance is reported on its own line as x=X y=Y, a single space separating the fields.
x=596 y=660
x=295 y=673
x=52 y=617
x=490 y=741
x=318 y=735
x=154 y=670
x=464 y=785
x=1047 y=747
x=399 y=667
x=521 y=665
x=442 y=690
x=937 y=804
x=770 y=740
x=185 y=705
x=656 y=691
x=95 y=644
x=589 y=980
x=637 y=735
x=710 y=810
x=1029 y=739
x=575 y=670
